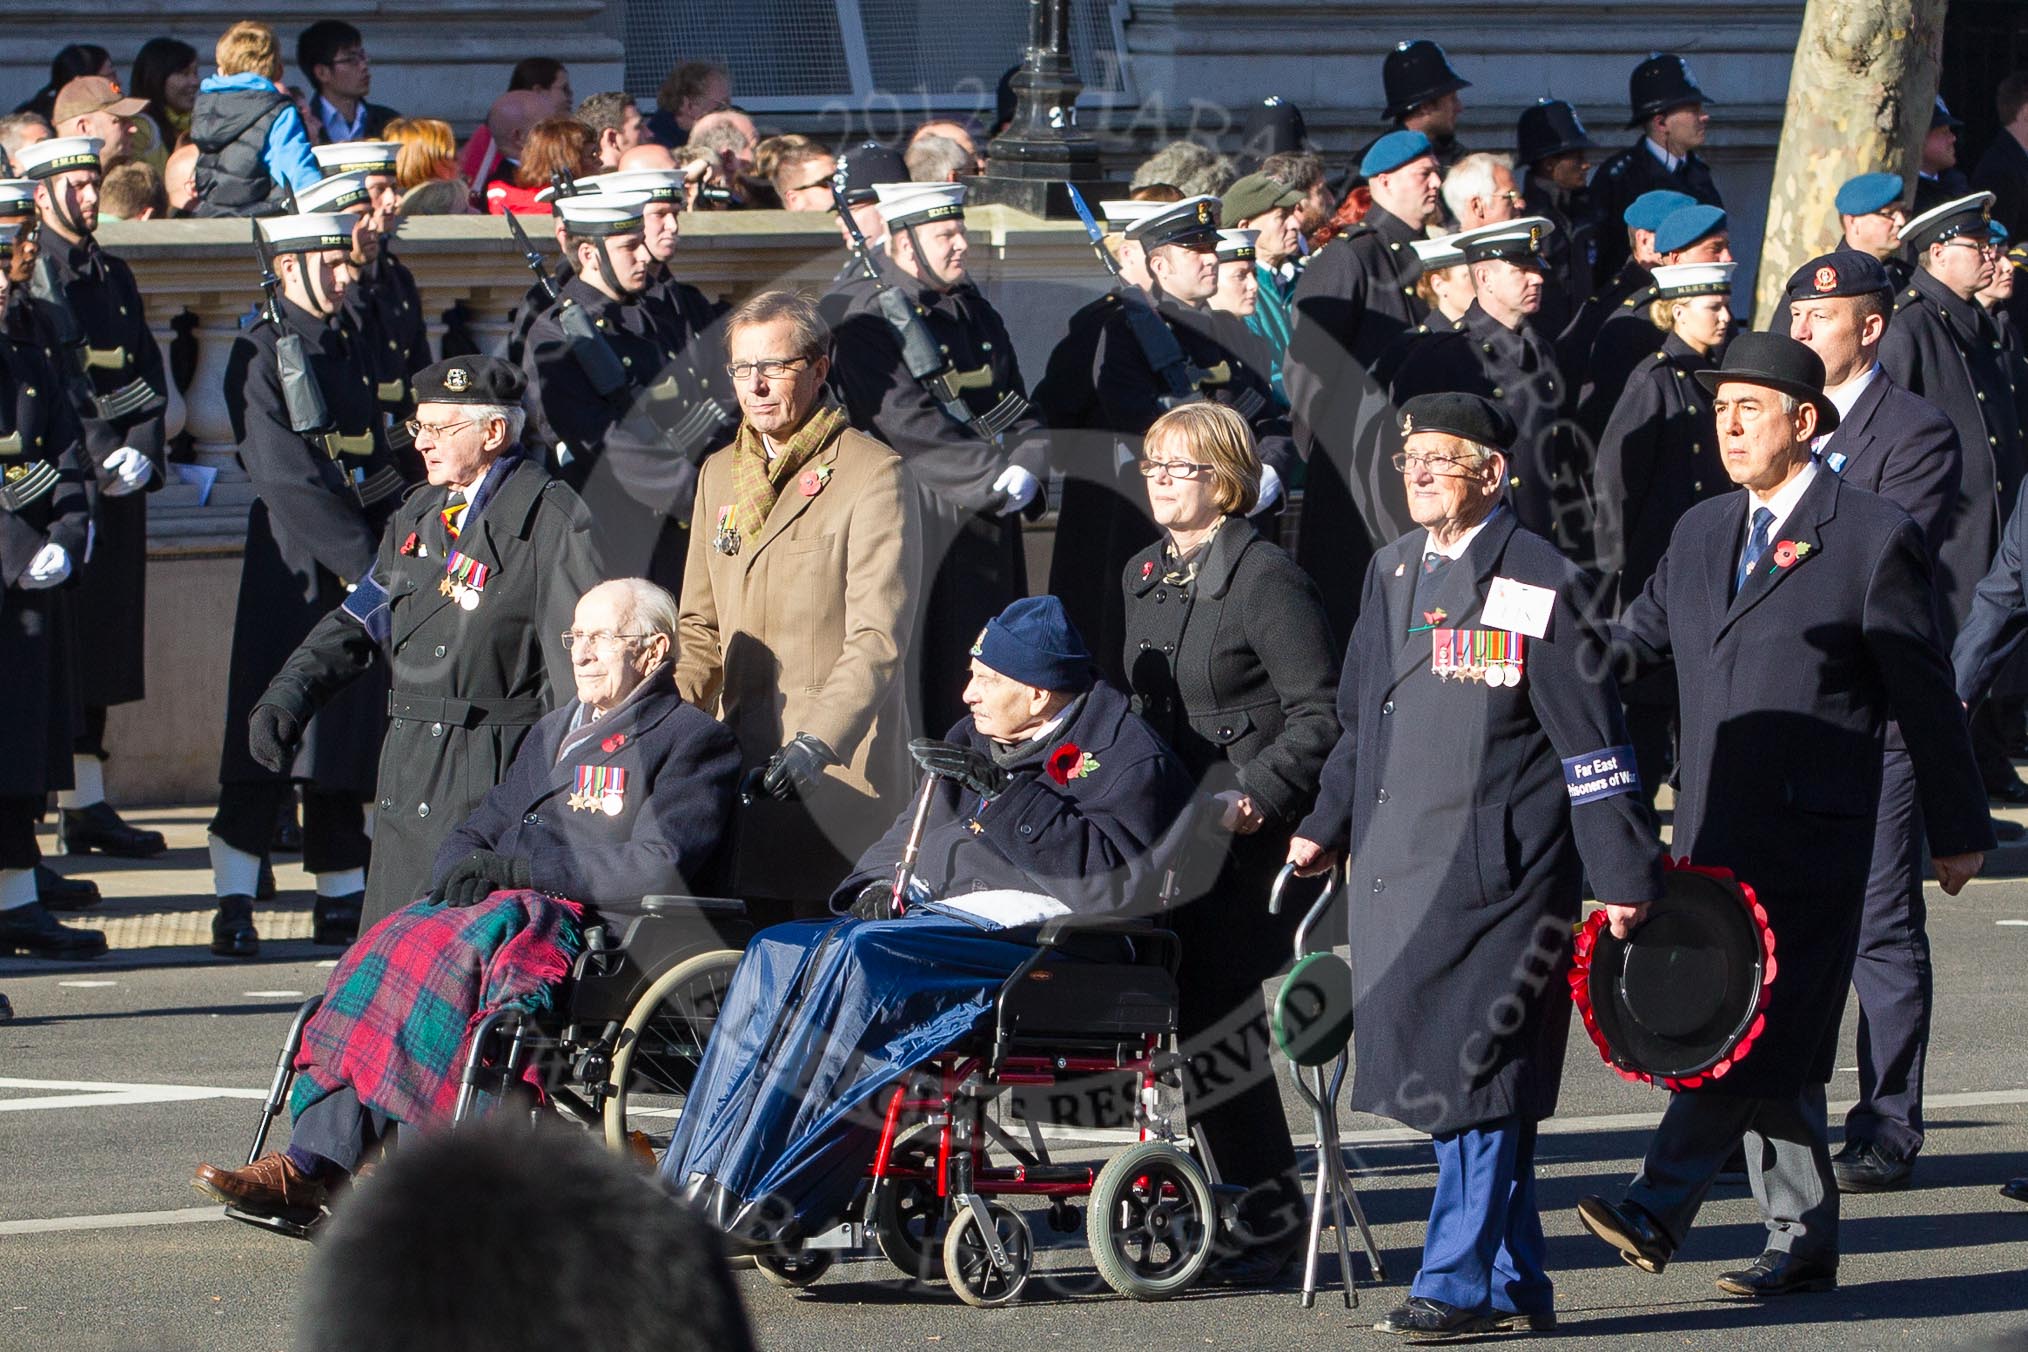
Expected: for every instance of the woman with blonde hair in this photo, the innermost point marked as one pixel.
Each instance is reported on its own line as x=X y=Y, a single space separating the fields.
x=1229 y=658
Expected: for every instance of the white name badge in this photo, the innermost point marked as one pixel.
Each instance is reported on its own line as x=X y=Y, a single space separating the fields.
x=1518 y=606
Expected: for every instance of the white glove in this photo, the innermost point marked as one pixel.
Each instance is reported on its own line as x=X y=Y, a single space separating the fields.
x=133 y=470
x=50 y=566
x=1270 y=490
x=1020 y=487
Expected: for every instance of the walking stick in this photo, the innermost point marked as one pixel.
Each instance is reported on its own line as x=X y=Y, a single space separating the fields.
x=904 y=871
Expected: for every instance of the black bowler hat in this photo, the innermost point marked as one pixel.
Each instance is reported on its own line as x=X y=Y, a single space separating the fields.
x=1842 y=273
x=1679 y=1001
x=1459 y=415
x=469 y=380
x=865 y=165
x=1416 y=72
x=1551 y=127
x=1778 y=362
x=1660 y=83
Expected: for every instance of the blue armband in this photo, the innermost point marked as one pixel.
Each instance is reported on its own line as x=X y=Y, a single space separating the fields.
x=1601 y=774
x=367 y=604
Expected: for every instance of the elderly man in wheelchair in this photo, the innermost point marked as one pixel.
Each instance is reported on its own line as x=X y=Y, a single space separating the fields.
x=1050 y=803
x=623 y=793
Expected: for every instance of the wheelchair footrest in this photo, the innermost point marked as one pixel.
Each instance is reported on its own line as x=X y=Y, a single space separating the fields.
x=295 y=1227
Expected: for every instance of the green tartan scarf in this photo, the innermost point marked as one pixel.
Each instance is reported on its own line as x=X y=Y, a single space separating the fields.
x=756 y=484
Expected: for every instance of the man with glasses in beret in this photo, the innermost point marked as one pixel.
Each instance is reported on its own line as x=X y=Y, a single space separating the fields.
x=1799 y=618
x=121 y=395
x=475 y=577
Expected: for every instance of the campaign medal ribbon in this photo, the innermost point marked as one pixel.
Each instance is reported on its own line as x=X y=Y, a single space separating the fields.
x=464 y=578
x=1495 y=656
x=725 y=539
x=600 y=788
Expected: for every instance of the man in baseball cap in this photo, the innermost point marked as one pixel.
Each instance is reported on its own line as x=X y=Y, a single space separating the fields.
x=91 y=105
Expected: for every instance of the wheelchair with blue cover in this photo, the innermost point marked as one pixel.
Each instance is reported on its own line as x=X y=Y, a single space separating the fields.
x=619 y=1053
x=1096 y=1003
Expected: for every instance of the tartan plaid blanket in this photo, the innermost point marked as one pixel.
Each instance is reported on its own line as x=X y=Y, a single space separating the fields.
x=402 y=1003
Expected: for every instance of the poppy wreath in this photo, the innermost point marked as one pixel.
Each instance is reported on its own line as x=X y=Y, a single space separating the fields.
x=1580 y=984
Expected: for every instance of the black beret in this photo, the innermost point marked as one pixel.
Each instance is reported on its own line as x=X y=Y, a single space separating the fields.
x=1845 y=272
x=1461 y=415
x=469 y=380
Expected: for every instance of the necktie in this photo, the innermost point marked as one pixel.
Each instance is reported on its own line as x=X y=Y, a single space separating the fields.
x=453 y=513
x=1756 y=545
x=1427 y=583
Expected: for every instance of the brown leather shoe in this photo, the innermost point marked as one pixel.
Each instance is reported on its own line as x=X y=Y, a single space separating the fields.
x=271 y=1186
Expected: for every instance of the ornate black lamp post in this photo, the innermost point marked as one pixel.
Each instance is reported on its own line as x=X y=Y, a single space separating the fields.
x=1043 y=147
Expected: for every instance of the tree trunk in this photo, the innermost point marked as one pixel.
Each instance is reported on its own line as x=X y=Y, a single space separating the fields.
x=1860 y=95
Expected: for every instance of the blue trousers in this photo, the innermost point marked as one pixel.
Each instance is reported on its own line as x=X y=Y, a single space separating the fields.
x=1483 y=1248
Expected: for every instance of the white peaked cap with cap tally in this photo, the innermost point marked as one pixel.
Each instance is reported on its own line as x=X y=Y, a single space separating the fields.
x=370 y=157
x=1121 y=216
x=335 y=193
x=309 y=231
x=1673 y=281
x=1234 y=245
x=1519 y=238
x=916 y=203
x=57 y=155
x=602 y=213
x=17 y=196
x=658 y=185
x=1437 y=254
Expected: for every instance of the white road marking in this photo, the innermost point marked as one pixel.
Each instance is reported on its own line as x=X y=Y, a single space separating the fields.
x=2011 y=922
x=267 y=994
x=95 y=985
x=109 y=1094
x=121 y=1221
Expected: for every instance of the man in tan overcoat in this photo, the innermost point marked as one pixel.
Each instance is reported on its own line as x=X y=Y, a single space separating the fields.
x=801 y=579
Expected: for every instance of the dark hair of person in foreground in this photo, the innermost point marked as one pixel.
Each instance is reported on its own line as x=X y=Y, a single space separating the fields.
x=502 y=1238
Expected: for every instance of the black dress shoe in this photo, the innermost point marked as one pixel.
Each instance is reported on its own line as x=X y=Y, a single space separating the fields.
x=1630 y=1230
x=31 y=929
x=59 y=893
x=1423 y=1320
x=335 y=920
x=6 y=1010
x=2015 y=1190
x=2013 y=794
x=1779 y=1274
x=1864 y=1167
x=1506 y=1321
x=232 y=929
x=80 y=830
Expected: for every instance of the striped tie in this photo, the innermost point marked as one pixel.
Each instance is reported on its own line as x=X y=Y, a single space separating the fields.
x=452 y=513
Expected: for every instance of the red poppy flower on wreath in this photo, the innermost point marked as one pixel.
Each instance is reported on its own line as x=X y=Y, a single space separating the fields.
x=1068 y=762
x=613 y=743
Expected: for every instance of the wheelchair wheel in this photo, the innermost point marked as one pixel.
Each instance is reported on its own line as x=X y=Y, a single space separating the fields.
x=793 y=1270
x=1151 y=1221
x=660 y=1047
x=969 y=1265
x=908 y=1216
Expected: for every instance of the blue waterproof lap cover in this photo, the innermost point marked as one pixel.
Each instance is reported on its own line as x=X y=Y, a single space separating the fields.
x=820 y=1018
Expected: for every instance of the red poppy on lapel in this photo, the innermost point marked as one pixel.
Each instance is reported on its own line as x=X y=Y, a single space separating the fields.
x=1069 y=762
x=408 y=545
x=1147 y=570
x=1788 y=552
x=811 y=482
x=613 y=743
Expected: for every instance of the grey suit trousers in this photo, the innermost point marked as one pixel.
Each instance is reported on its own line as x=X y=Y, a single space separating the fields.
x=1788 y=1163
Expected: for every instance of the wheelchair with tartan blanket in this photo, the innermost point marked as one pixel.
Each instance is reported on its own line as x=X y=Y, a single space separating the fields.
x=617 y=1056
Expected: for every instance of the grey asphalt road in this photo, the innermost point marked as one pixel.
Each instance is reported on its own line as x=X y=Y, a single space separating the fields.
x=117 y=1077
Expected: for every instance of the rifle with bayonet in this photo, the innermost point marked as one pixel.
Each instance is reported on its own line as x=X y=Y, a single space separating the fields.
x=1151 y=332
x=926 y=362
x=588 y=347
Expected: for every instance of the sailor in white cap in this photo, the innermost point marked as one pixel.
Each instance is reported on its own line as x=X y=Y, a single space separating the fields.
x=1238 y=290
x=46 y=511
x=321 y=498
x=1497 y=352
x=17 y=209
x=924 y=364
x=384 y=301
x=112 y=369
x=681 y=308
x=620 y=414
